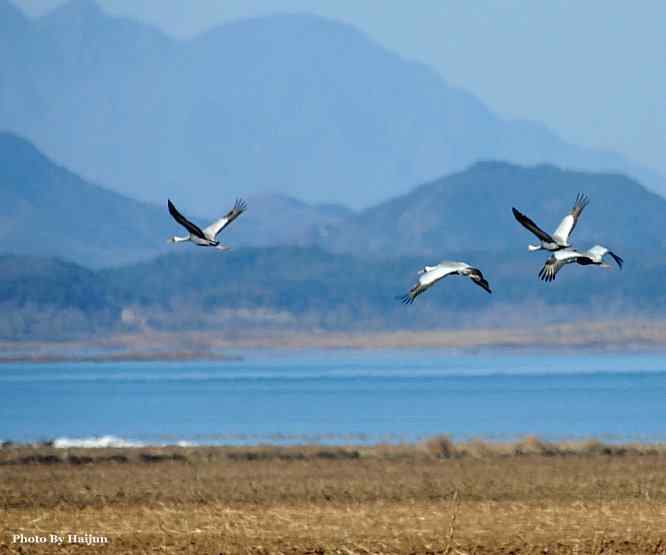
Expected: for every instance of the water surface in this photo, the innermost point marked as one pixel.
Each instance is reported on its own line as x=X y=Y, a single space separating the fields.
x=339 y=396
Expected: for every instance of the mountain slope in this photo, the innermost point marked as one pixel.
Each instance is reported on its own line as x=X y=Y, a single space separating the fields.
x=47 y=210
x=471 y=211
x=273 y=219
x=294 y=103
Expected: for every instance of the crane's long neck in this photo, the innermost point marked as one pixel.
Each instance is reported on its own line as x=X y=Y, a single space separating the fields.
x=534 y=247
x=177 y=239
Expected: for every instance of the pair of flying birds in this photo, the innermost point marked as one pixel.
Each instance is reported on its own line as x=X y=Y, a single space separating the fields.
x=557 y=243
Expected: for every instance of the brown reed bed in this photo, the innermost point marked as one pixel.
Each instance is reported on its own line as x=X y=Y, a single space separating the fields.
x=438 y=496
x=438 y=447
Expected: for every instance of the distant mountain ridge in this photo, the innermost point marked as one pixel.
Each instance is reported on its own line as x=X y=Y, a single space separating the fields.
x=294 y=103
x=47 y=210
x=471 y=211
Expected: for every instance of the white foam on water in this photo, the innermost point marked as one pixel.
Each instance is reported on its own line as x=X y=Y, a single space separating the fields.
x=101 y=441
x=113 y=441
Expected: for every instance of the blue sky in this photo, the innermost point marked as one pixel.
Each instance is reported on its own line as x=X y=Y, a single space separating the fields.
x=592 y=71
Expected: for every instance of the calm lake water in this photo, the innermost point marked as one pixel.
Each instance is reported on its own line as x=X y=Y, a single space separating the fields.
x=338 y=397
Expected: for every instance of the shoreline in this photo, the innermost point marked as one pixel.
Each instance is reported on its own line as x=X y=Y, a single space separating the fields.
x=166 y=356
x=440 y=446
x=156 y=346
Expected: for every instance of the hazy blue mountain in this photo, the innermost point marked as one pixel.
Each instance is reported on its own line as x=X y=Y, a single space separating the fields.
x=471 y=211
x=273 y=219
x=292 y=103
x=47 y=210
x=11 y=19
x=18 y=95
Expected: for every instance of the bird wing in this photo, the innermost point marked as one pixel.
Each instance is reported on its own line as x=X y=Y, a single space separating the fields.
x=218 y=225
x=477 y=277
x=618 y=259
x=427 y=278
x=568 y=223
x=529 y=224
x=435 y=273
x=556 y=262
x=408 y=298
x=187 y=224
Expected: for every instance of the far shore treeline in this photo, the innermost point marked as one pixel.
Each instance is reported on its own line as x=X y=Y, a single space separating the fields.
x=303 y=289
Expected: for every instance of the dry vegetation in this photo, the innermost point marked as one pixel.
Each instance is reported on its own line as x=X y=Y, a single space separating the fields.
x=438 y=497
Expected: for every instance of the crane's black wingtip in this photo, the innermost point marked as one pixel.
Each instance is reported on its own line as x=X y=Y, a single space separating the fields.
x=519 y=215
x=485 y=286
x=582 y=200
x=618 y=259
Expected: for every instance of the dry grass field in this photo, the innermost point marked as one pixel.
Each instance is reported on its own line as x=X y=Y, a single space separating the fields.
x=529 y=497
